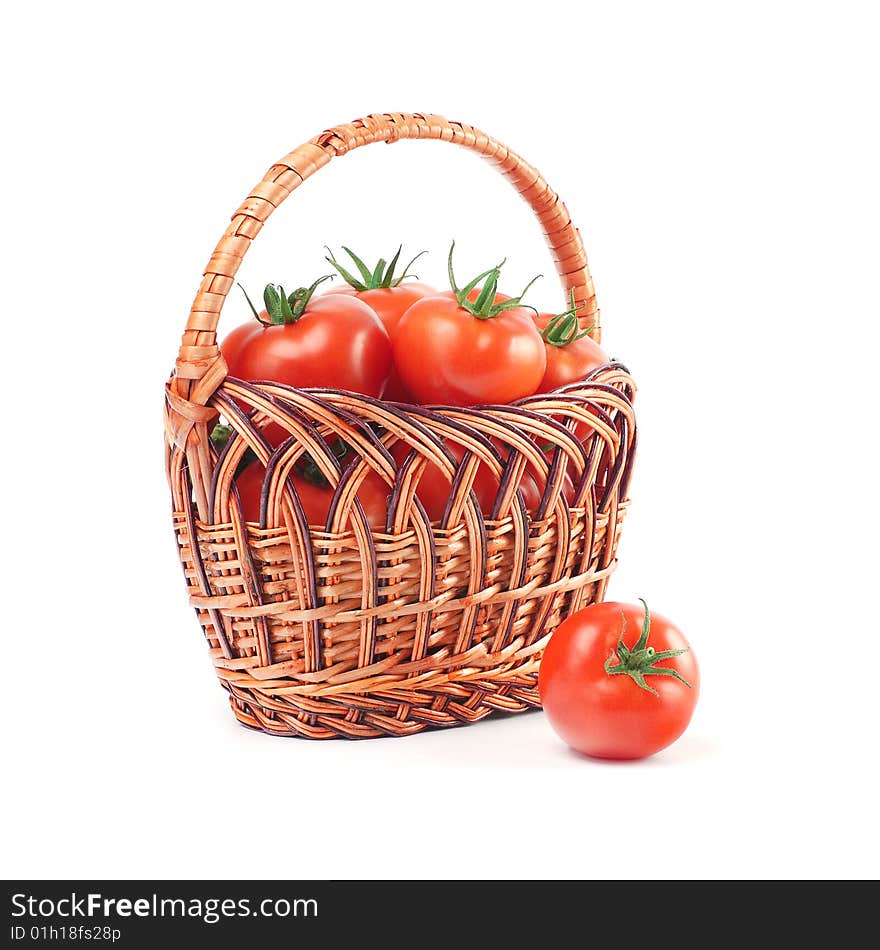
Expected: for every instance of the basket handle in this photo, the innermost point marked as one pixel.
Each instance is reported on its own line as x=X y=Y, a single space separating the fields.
x=200 y=368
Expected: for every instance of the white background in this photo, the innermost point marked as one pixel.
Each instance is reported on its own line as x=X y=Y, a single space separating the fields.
x=722 y=164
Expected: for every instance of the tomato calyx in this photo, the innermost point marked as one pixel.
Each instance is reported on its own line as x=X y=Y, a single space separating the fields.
x=283 y=308
x=640 y=661
x=220 y=435
x=381 y=277
x=564 y=328
x=484 y=307
x=311 y=472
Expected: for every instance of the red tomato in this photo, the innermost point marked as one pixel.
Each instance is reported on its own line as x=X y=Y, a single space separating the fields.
x=445 y=354
x=331 y=341
x=612 y=692
x=469 y=347
x=390 y=304
x=315 y=499
x=236 y=340
x=388 y=296
x=337 y=342
x=571 y=355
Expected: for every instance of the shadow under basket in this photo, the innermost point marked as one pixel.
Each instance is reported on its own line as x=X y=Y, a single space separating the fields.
x=352 y=629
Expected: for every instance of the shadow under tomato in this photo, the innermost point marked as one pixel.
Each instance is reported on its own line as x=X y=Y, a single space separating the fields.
x=683 y=750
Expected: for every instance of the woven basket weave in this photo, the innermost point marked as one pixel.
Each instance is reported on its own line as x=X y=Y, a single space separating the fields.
x=339 y=630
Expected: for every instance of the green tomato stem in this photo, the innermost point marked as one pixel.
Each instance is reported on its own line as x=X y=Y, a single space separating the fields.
x=284 y=308
x=220 y=435
x=640 y=661
x=564 y=328
x=484 y=307
x=381 y=277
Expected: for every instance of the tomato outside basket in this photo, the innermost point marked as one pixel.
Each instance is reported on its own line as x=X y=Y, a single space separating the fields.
x=339 y=630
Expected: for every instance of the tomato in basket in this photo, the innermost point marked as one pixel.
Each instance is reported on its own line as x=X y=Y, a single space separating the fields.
x=571 y=353
x=388 y=295
x=456 y=350
x=303 y=340
x=331 y=340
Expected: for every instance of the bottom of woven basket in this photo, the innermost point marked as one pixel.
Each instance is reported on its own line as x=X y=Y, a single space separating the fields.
x=362 y=717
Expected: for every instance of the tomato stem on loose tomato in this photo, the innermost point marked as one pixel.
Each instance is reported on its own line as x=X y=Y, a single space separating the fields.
x=484 y=307
x=382 y=276
x=640 y=661
x=564 y=327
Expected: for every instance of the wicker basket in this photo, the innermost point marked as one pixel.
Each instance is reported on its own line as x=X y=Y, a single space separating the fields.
x=338 y=630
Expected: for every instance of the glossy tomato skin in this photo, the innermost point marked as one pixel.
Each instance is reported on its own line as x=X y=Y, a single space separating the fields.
x=315 y=499
x=570 y=363
x=611 y=716
x=236 y=340
x=338 y=343
x=446 y=355
x=390 y=304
